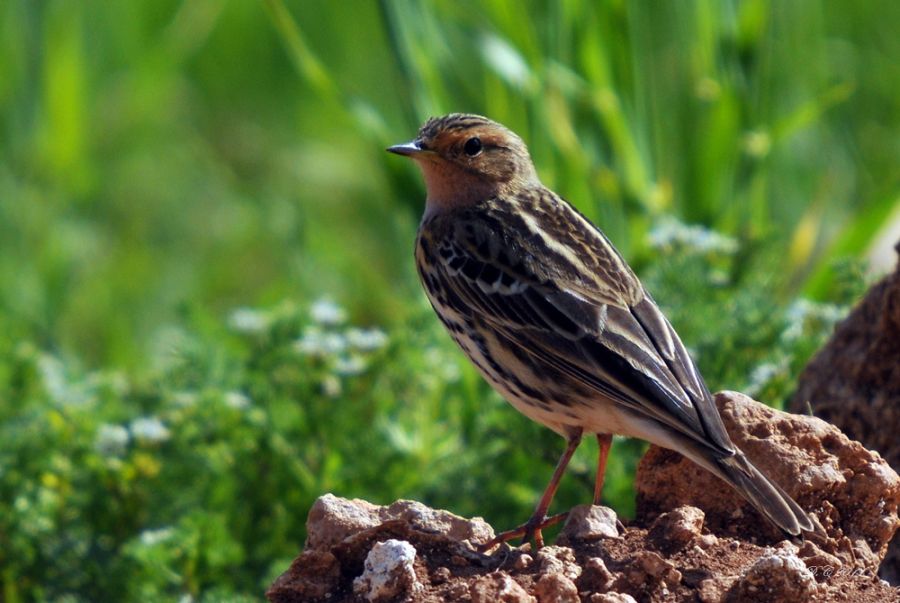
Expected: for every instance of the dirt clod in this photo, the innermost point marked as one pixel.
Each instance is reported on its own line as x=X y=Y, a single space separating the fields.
x=776 y=578
x=497 y=587
x=678 y=528
x=670 y=556
x=556 y=588
x=693 y=539
x=854 y=382
x=850 y=491
x=586 y=523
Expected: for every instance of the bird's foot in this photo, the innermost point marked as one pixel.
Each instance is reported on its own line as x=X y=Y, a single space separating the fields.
x=530 y=530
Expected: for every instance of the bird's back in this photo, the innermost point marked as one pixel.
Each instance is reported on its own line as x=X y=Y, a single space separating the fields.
x=548 y=285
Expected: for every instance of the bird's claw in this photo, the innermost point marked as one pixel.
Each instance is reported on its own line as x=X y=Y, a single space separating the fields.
x=529 y=531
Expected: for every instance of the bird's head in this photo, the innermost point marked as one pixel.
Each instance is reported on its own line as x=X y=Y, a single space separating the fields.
x=468 y=158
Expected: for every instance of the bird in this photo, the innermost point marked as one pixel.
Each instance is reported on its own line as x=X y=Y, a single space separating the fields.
x=553 y=317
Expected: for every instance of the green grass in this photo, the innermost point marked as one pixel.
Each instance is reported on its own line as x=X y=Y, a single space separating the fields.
x=165 y=163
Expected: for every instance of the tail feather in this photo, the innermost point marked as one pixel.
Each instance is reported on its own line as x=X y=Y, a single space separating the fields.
x=764 y=494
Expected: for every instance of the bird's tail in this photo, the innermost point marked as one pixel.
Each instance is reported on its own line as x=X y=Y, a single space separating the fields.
x=764 y=494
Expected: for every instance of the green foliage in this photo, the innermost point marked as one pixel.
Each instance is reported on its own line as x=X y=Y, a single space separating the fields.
x=165 y=162
x=199 y=477
x=196 y=478
x=743 y=335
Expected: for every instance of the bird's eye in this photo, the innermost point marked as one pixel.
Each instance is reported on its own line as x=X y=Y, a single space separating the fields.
x=473 y=146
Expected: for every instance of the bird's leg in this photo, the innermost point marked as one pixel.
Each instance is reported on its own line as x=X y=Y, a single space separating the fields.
x=539 y=519
x=605 y=441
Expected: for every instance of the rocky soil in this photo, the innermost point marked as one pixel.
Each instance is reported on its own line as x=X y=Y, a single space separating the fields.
x=693 y=538
x=854 y=383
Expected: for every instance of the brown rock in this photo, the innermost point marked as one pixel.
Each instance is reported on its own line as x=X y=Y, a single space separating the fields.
x=822 y=565
x=498 y=587
x=522 y=561
x=678 y=528
x=649 y=567
x=413 y=560
x=852 y=491
x=612 y=598
x=587 y=523
x=710 y=591
x=558 y=560
x=389 y=573
x=776 y=578
x=556 y=588
x=440 y=575
x=596 y=576
x=332 y=519
x=706 y=541
x=313 y=576
x=854 y=382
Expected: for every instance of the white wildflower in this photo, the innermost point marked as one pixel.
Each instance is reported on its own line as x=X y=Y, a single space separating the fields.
x=764 y=374
x=316 y=343
x=446 y=365
x=326 y=312
x=248 y=320
x=236 y=400
x=349 y=366
x=54 y=379
x=154 y=537
x=799 y=310
x=366 y=340
x=832 y=313
x=802 y=311
x=149 y=429
x=671 y=233
x=57 y=384
x=111 y=440
x=796 y=319
x=331 y=386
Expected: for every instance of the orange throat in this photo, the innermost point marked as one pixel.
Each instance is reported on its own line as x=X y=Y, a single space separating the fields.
x=451 y=187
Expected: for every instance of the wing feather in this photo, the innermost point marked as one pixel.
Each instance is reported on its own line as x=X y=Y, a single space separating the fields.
x=628 y=353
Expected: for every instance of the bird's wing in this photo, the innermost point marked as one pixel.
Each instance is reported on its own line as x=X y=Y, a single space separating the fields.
x=625 y=350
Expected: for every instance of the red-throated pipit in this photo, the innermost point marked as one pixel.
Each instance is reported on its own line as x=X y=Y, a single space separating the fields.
x=552 y=316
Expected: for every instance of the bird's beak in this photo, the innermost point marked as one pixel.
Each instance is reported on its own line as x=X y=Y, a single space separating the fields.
x=414 y=147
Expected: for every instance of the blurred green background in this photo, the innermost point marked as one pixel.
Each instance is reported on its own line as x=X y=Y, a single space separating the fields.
x=209 y=313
